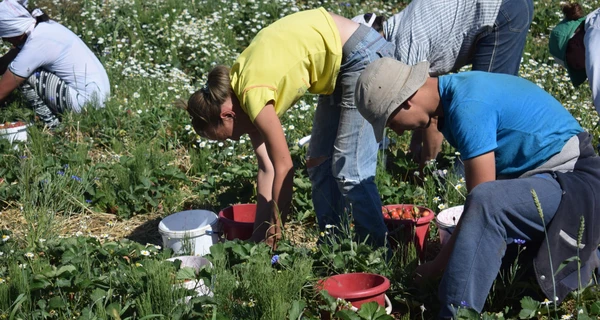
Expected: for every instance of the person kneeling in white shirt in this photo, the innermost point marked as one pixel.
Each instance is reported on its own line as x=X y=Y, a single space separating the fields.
x=51 y=65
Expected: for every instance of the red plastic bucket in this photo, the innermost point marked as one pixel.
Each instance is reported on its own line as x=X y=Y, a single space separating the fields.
x=357 y=288
x=405 y=229
x=237 y=221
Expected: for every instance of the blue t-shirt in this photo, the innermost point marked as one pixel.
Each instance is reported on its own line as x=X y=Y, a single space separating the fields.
x=520 y=122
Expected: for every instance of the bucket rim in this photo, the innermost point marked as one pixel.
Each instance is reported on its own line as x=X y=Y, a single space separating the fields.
x=20 y=127
x=363 y=293
x=440 y=217
x=192 y=233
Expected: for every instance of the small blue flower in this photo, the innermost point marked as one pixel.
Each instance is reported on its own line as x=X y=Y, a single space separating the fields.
x=519 y=241
x=76 y=178
x=275 y=259
x=61 y=173
x=88 y=200
x=464 y=304
x=23 y=157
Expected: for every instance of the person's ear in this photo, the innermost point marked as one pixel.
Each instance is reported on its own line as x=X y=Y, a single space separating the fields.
x=227 y=114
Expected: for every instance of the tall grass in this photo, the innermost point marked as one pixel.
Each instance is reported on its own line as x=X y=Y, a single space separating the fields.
x=160 y=295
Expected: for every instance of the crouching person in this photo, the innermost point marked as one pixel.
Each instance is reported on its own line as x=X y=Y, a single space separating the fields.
x=514 y=138
x=55 y=70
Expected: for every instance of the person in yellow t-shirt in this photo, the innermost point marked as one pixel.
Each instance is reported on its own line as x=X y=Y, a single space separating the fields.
x=318 y=52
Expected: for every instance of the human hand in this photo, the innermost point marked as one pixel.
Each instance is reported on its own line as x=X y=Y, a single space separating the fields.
x=270 y=235
x=427 y=272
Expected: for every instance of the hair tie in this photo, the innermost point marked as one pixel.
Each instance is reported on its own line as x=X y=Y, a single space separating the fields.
x=37 y=12
x=205 y=88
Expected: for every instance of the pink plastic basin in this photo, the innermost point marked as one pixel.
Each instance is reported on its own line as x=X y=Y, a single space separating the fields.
x=357 y=288
x=237 y=221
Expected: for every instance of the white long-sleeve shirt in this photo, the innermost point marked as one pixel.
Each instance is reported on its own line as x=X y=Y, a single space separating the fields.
x=592 y=54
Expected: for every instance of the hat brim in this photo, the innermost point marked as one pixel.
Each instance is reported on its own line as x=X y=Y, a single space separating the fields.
x=418 y=75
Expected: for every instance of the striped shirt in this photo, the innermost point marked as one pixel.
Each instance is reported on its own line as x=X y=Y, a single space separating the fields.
x=443 y=32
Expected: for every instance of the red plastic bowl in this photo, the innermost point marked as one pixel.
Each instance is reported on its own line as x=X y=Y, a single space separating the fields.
x=357 y=288
x=237 y=221
x=417 y=230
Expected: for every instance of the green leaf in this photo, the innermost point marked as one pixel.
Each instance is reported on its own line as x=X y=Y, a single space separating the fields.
x=49 y=272
x=565 y=263
x=346 y=314
x=296 y=309
x=338 y=262
x=152 y=316
x=68 y=268
x=39 y=282
x=373 y=311
x=97 y=295
x=217 y=251
x=17 y=305
x=56 y=302
x=42 y=304
x=330 y=302
x=70 y=255
x=241 y=251
x=186 y=273
x=467 y=314
x=114 y=310
x=529 y=308
x=63 y=283
x=595 y=308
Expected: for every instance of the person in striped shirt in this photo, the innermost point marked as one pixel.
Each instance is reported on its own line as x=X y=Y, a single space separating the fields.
x=489 y=35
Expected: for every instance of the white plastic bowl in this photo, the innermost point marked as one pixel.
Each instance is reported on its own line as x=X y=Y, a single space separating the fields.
x=14 y=134
x=195 y=262
x=446 y=221
x=196 y=230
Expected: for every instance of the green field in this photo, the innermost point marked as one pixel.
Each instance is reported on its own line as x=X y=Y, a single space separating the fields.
x=138 y=160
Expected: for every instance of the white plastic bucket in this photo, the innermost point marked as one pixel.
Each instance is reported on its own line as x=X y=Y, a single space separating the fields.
x=193 y=230
x=197 y=263
x=13 y=134
x=446 y=221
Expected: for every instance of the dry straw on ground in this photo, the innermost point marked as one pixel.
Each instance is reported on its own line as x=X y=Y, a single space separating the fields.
x=139 y=228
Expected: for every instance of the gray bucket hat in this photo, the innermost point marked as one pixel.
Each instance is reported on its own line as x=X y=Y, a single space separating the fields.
x=384 y=85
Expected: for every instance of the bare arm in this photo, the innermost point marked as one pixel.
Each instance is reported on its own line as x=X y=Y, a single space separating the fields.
x=432 y=143
x=264 y=186
x=8 y=83
x=478 y=170
x=269 y=127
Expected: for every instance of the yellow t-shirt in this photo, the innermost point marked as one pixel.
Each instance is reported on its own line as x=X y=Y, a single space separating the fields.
x=296 y=53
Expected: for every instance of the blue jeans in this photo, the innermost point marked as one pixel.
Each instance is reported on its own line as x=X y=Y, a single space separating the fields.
x=344 y=183
x=500 y=50
x=496 y=213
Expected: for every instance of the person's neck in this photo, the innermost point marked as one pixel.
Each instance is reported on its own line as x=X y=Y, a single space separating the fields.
x=242 y=119
x=435 y=102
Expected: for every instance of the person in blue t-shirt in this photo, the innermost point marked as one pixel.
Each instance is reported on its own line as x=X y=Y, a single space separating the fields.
x=514 y=138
